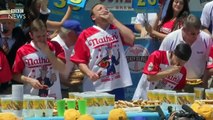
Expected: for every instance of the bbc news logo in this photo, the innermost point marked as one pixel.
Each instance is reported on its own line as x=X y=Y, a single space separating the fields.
x=17 y=14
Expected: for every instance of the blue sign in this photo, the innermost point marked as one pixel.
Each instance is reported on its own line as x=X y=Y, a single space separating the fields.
x=136 y=58
x=79 y=3
x=147 y=6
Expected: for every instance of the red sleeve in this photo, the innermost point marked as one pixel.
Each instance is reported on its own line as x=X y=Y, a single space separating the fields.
x=81 y=50
x=5 y=72
x=182 y=82
x=18 y=65
x=152 y=65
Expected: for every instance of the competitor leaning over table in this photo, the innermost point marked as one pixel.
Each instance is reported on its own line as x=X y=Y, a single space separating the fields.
x=164 y=70
x=37 y=63
x=99 y=53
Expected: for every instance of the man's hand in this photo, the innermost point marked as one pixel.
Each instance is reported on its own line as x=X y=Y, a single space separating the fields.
x=44 y=4
x=174 y=69
x=42 y=45
x=36 y=84
x=108 y=16
x=93 y=76
x=148 y=28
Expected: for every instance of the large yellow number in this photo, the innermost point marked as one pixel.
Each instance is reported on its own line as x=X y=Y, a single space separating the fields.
x=152 y=2
x=76 y=1
x=141 y=3
x=61 y=5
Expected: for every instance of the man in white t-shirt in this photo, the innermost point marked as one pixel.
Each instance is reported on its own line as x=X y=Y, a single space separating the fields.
x=67 y=37
x=207 y=17
x=199 y=41
x=37 y=64
x=99 y=53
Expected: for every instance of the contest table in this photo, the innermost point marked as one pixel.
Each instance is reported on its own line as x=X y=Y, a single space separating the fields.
x=131 y=116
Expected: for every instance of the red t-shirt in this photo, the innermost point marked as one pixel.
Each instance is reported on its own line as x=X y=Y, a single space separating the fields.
x=167 y=27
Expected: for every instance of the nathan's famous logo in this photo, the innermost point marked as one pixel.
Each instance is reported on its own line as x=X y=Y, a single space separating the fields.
x=136 y=57
x=17 y=14
x=100 y=41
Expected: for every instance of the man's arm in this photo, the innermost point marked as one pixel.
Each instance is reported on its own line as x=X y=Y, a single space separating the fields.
x=125 y=32
x=162 y=74
x=56 y=62
x=53 y=25
x=139 y=28
x=85 y=69
x=24 y=79
x=206 y=30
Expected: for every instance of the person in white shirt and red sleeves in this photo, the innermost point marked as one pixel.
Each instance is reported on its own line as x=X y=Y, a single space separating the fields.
x=93 y=45
x=164 y=70
x=37 y=64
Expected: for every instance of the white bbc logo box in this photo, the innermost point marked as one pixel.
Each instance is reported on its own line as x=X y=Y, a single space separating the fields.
x=16 y=11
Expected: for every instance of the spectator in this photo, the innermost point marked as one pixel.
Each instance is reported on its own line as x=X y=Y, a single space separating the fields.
x=67 y=37
x=36 y=64
x=200 y=43
x=100 y=55
x=143 y=18
x=38 y=9
x=11 y=38
x=164 y=70
x=173 y=20
x=207 y=18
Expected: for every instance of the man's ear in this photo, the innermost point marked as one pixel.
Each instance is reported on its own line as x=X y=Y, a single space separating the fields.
x=92 y=17
x=31 y=35
x=184 y=29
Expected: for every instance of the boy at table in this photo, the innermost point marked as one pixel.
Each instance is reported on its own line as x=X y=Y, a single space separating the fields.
x=37 y=63
x=164 y=70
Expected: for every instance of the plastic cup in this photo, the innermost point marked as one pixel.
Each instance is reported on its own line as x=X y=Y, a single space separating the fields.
x=162 y=96
x=39 y=106
x=60 y=107
x=181 y=98
x=82 y=106
x=154 y=95
x=72 y=95
x=17 y=107
x=198 y=93
x=6 y=104
x=171 y=98
x=149 y=95
x=209 y=94
x=71 y=104
x=50 y=101
x=190 y=97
